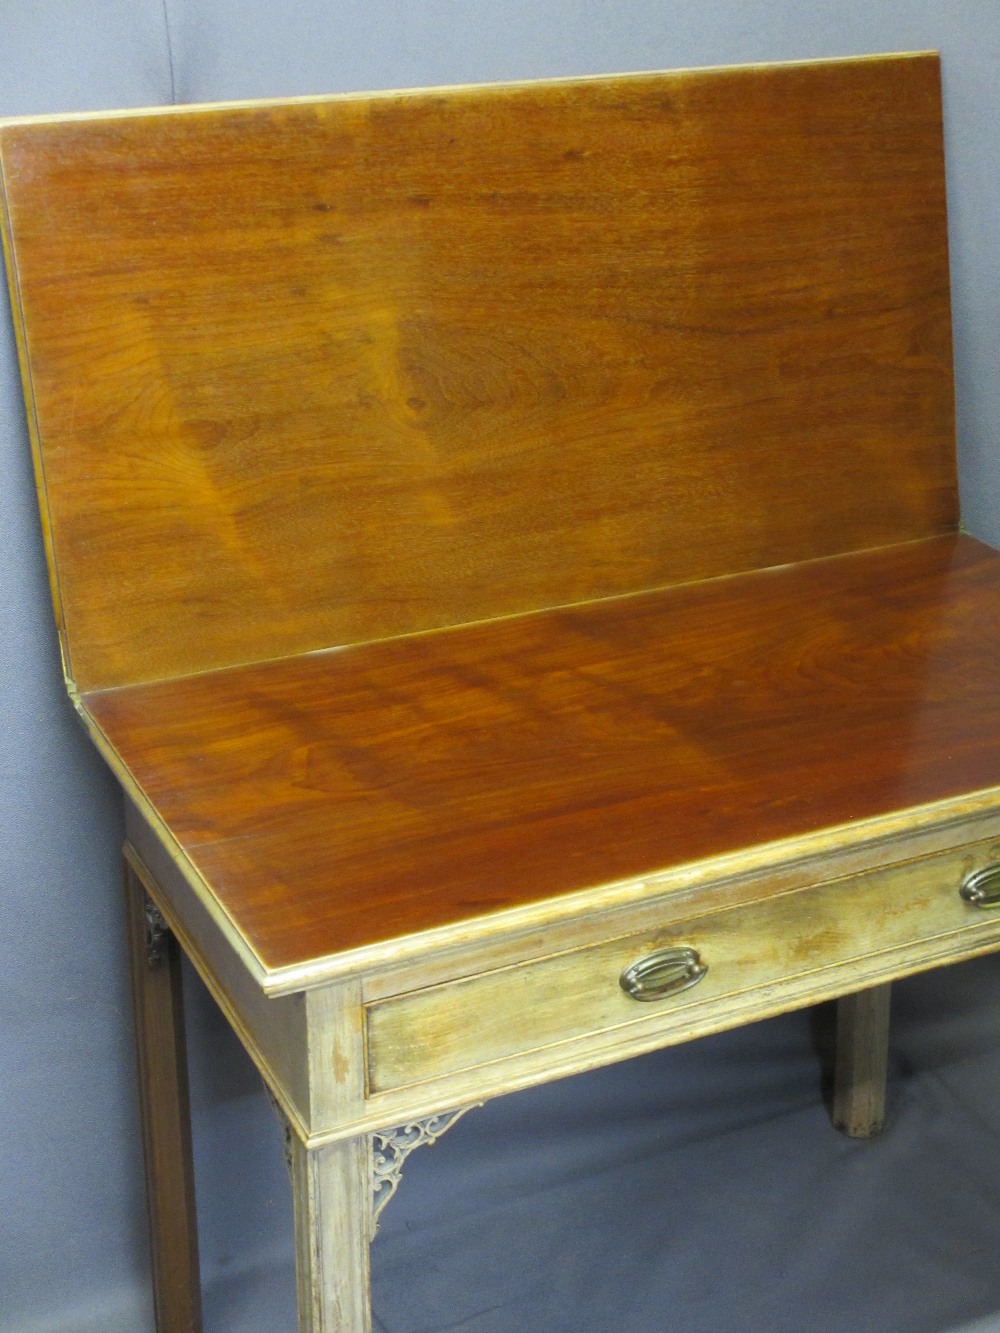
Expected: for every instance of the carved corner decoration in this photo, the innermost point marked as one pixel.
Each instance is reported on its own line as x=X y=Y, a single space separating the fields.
x=391 y=1147
x=158 y=935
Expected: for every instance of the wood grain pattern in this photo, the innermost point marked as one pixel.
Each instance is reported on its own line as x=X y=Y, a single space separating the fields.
x=376 y=791
x=317 y=373
x=314 y=387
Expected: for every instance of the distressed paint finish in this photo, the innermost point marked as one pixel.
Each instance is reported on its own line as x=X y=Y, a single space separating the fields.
x=785 y=948
x=331 y=1191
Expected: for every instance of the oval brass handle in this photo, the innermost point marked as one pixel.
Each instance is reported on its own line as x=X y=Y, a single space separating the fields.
x=982 y=887
x=663 y=973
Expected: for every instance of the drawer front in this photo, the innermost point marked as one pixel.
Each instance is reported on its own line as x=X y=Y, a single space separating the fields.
x=848 y=933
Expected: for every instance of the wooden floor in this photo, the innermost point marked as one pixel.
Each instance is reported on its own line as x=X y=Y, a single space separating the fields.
x=341 y=798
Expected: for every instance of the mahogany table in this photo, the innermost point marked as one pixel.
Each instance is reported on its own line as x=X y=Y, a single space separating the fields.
x=505 y=542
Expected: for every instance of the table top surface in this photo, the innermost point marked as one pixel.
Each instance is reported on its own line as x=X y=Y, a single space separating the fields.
x=339 y=799
x=326 y=372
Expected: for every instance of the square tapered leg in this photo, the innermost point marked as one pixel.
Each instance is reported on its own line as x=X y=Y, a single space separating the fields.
x=166 y=1124
x=861 y=1062
x=331 y=1186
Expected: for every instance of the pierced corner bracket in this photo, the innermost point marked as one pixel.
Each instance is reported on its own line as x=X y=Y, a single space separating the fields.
x=391 y=1147
x=158 y=935
x=286 y=1126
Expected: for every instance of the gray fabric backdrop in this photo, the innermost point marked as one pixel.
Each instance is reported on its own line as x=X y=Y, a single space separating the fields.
x=698 y=1188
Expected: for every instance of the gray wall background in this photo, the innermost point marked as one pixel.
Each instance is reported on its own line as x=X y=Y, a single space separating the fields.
x=798 y=1229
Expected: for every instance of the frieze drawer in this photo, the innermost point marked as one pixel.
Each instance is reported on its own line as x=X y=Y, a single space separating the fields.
x=710 y=971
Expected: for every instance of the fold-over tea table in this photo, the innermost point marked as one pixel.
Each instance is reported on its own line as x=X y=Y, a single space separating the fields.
x=505 y=542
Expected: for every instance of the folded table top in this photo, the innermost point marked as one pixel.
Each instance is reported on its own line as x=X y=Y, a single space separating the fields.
x=340 y=800
x=463 y=500
x=312 y=373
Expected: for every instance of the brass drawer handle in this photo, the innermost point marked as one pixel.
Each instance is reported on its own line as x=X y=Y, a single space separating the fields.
x=665 y=972
x=982 y=887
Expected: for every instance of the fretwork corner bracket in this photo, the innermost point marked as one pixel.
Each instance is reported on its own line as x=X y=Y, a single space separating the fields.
x=391 y=1147
x=286 y=1127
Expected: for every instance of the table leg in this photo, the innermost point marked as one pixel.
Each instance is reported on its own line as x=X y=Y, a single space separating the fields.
x=332 y=1192
x=166 y=1123
x=861 y=1062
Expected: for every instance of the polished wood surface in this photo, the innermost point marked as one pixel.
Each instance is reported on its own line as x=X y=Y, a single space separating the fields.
x=322 y=372
x=356 y=795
